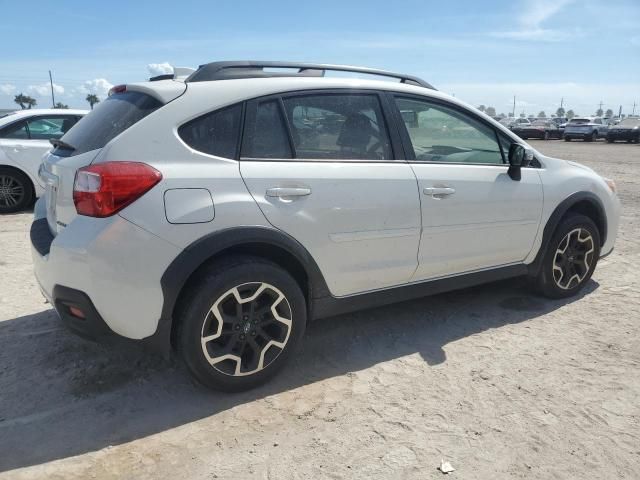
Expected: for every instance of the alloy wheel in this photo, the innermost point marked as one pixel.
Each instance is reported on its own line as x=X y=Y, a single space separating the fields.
x=12 y=191
x=573 y=258
x=246 y=329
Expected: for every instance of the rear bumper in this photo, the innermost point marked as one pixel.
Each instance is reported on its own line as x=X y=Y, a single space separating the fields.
x=108 y=268
x=630 y=135
x=577 y=134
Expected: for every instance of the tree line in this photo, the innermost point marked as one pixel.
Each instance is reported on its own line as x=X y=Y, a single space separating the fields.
x=26 y=102
x=560 y=112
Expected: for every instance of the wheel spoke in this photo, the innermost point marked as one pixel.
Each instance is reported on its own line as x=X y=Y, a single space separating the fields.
x=261 y=320
x=572 y=261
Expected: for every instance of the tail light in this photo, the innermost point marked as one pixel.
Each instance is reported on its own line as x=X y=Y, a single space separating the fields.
x=104 y=189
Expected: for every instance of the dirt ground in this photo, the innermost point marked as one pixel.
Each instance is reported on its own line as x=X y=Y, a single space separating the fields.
x=498 y=381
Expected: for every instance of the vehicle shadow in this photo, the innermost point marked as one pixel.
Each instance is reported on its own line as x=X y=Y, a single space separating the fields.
x=62 y=396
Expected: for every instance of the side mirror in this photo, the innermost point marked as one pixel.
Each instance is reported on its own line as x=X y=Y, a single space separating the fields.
x=517 y=154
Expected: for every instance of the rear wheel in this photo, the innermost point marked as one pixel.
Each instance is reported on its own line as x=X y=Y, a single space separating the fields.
x=241 y=323
x=16 y=190
x=592 y=138
x=566 y=139
x=571 y=257
x=609 y=140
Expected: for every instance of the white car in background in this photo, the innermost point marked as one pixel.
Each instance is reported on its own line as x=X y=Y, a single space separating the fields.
x=25 y=136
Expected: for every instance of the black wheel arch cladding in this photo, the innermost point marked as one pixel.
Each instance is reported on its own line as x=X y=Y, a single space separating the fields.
x=266 y=242
x=586 y=203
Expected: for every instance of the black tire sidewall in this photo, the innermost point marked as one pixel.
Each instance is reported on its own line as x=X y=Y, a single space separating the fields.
x=546 y=282
x=219 y=278
x=28 y=190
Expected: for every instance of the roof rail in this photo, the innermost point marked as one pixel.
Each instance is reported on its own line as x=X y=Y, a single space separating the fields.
x=254 y=69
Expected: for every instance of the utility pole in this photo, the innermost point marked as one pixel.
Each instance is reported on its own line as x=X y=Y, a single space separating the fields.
x=513 y=112
x=561 y=102
x=634 y=109
x=600 y=106
x=53 y=99
x=620 y=112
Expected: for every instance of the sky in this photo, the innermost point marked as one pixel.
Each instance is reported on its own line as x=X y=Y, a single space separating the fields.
x=581 y=52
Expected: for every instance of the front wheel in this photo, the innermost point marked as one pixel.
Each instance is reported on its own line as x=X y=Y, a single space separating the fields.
x=571 y=257
x=241 y=323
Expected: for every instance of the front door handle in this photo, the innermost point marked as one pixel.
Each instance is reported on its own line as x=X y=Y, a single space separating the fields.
x=288 y=191
x=439 y=192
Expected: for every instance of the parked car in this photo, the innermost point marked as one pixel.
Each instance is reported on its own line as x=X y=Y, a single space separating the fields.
x=587 y=129
x=627 y=129
x=24 y=138
x=543 y=129
x=199 y=218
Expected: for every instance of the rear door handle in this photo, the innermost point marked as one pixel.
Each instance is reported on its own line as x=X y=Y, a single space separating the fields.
x=288 y=191
x=439 y=192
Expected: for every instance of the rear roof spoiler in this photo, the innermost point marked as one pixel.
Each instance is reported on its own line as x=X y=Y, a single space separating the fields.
x=179 y=73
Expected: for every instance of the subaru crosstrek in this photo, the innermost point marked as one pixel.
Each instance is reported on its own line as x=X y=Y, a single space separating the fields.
x=217 y=213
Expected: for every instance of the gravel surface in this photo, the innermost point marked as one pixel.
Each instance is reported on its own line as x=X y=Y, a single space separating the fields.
x=497 y=381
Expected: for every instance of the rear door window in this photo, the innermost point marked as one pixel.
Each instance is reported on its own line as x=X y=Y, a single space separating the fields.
x=338 y=126
x=46 y=128
x=215 y=133
x=108 y=120
x=265 y=134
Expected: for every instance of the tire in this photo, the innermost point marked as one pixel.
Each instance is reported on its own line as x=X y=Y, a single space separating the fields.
x=16 y=190
x=566 y=139
x=592 y=138
x=257 y=345
x=609 y=140
x=571 y=257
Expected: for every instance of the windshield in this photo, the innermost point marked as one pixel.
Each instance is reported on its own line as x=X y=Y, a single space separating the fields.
x=630 y=122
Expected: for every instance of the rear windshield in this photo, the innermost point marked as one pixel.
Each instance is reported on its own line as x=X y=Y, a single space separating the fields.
x=108 y=120
x=580 y=120
x=542 y=123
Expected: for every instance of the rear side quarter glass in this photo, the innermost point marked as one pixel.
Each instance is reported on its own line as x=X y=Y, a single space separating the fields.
x=108 y=120
x=215 y=133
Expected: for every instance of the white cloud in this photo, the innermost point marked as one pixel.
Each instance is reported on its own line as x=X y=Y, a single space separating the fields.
x=533 y=15
x=538 y=12
x=7 y=88
x=45 y=89
x=97 y=86
x=159 y=68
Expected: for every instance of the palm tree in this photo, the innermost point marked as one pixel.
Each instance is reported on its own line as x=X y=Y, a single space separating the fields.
x=25 y=101
x=60 y=105
x=92 y=99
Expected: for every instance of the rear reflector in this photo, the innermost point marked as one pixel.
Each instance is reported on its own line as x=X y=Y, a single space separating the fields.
x=103 y=189
x=76 y=312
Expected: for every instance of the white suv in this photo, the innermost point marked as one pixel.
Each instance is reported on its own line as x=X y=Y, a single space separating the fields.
x=218 y=214
x=25 y=137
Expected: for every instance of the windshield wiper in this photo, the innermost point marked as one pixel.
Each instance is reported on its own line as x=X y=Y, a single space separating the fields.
x=60 y=144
